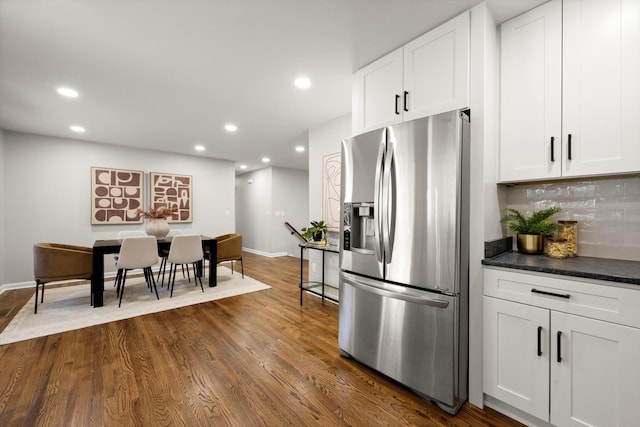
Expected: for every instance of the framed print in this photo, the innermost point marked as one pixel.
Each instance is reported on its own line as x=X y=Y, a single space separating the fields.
x=116 y=195
x=172 y=190
x=331 y=175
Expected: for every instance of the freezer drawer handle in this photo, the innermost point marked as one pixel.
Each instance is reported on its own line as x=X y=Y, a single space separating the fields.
x=374 y=290
x=553 y=294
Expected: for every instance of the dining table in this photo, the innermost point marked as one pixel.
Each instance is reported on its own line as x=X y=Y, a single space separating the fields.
x=112 y=246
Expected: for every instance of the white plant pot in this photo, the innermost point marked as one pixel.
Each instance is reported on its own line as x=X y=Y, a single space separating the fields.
x=157 y=227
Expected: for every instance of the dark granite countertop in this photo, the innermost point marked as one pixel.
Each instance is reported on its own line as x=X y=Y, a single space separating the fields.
x=614 y=270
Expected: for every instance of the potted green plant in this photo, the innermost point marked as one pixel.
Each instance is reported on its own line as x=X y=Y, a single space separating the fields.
x=531 y=231
x=316 y=232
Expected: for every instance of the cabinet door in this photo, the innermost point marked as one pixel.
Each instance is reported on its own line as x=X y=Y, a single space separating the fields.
x=516 y=370
x=530 y=95
x=601 y=103
x=377 y=89
x=436 y=70
x=596 y=381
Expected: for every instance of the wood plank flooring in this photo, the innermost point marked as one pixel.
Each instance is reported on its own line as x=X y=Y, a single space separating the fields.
x=258 y=359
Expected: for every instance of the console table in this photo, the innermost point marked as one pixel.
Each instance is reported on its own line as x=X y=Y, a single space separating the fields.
x=311 y=286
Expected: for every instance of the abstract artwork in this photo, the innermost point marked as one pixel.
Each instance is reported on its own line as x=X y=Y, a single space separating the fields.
x=172 y=190
x=331 y=170
x=116 y=194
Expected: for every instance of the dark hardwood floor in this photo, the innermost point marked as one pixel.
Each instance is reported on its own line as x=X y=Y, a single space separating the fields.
x=254 y=359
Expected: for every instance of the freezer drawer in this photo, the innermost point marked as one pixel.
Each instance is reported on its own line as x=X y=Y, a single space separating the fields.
x=406 y=334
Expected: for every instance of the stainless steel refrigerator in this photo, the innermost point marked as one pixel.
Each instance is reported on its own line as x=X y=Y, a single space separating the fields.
x=404 y=263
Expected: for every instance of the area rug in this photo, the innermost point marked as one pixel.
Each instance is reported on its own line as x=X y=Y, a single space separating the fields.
x=68 y=308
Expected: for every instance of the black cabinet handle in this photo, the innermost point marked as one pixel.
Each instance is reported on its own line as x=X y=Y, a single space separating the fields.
x=539 y=340
x=569 y=146
x=397 y=102
x=405 y=100
x=553 y=294
x=559 y=359
x=553 y=159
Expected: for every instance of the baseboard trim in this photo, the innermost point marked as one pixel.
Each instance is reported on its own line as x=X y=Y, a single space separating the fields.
x=267 y=254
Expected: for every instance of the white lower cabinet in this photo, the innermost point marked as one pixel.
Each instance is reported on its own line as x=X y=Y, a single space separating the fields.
x=562 y=368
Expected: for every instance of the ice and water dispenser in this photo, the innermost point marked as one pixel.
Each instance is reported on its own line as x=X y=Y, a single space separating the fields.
x=359 y=228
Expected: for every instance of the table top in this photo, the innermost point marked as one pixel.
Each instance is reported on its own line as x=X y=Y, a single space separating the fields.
x=320 y=247
x=111 y=243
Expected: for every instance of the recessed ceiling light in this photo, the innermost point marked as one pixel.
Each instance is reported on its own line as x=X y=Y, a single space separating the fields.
x=230 y=127
x=77 y=128
x=199 y=148
x=68 y=92
x=243 y=166
x=302 y=82
x=300 y=149
x=266 y=160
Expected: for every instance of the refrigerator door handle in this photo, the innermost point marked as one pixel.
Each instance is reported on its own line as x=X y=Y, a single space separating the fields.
x=372 y=288
x=390 y=197
x=377 y=196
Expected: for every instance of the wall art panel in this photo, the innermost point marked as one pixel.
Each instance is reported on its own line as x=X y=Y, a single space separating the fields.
x=331 y=175
x=116 y=194
x=175 y=191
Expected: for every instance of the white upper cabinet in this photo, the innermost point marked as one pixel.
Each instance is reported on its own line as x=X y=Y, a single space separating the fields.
x=427 y=76
x=530 y=94
x=601 y=87
x=376 y=94
x=436 y=70
x=569 y=91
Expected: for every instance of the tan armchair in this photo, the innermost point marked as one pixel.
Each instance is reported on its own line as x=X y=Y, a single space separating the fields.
x=53 y=262
x=230 y=249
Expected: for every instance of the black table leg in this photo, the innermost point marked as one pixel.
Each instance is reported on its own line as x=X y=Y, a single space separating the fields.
x=97 y=278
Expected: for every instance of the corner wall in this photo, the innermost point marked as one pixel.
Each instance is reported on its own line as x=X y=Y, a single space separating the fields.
x=47 y=194
x=265 y=199
x=485 y=195
x=324 y=139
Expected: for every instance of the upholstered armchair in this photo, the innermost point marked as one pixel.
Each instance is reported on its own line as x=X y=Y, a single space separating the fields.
x=53 y=262
x=230 y=249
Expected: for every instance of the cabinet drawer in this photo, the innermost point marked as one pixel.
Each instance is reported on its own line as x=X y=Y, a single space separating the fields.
x=595 y=300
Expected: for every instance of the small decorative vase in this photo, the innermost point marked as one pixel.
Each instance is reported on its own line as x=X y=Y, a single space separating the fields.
x=157 y=227
x=530 y=243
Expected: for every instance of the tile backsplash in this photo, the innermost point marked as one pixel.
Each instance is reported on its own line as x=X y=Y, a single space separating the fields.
x=607 y=211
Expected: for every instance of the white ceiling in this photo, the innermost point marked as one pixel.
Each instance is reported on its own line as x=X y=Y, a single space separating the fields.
x=168 y=74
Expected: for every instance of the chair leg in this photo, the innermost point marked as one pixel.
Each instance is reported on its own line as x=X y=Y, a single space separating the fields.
x=124 y=279
x=35 y=311
x=231 y=267
x=153 y=281
x=163 y=263
x=242 y=266
x=172 y=277
x=197 y=277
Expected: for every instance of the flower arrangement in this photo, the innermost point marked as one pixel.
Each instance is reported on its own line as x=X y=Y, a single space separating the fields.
x=162 y=212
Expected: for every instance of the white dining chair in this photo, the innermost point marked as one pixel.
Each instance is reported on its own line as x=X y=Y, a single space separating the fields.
x=185 y=250
x=137 y=252
x=164 y=254
x=122 y=234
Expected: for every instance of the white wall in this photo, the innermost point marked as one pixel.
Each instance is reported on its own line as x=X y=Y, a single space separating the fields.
x=324 y=139
x=2 y=208
x=253 y=201
x=265 y=199
x=47 y=194
x=290 y=198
